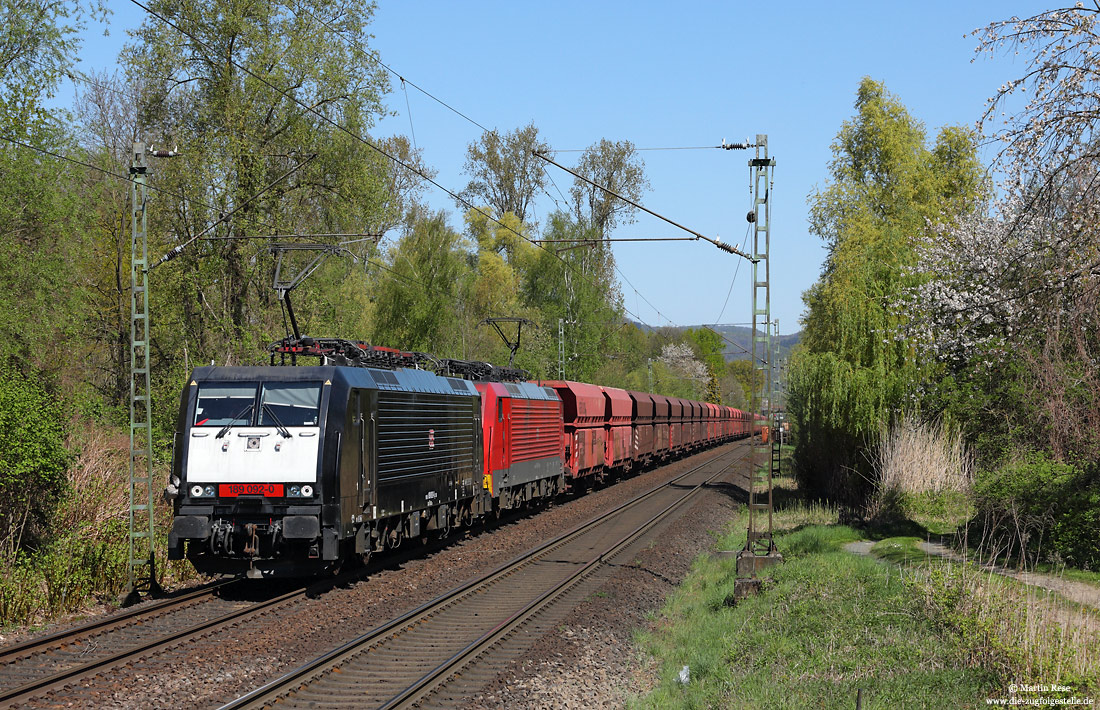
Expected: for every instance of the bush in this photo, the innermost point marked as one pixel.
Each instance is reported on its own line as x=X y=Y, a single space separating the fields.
x=33 y=459
x=1048 y=508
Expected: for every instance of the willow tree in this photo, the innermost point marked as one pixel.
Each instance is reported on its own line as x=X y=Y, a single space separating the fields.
x=887 y=190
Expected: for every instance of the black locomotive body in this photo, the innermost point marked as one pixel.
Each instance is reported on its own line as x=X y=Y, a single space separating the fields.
x=287 y=471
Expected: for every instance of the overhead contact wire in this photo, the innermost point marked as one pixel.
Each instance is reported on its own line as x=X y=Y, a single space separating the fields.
x=397 y=161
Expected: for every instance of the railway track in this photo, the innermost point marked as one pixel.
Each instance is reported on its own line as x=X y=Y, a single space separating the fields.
x=433 y=656
x=57 y=668
x=46 y=664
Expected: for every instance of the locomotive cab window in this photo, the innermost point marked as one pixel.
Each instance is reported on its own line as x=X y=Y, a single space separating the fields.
x=290 y=404
x=221 y=403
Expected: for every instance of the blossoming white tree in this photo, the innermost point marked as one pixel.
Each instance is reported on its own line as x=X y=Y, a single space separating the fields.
x=1013 y=293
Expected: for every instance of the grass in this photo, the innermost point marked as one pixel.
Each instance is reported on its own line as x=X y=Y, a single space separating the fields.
x=907 y=629
x=900 y=550
x=939 y=512
x=1077 y=575
x=826 y=624
x=1017 y=630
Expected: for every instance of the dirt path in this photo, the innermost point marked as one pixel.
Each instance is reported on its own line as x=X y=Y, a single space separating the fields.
x=862 y=548
x=1080 y=592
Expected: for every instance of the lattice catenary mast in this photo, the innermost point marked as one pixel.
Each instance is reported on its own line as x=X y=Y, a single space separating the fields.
x=142 y=561
x=760 y=550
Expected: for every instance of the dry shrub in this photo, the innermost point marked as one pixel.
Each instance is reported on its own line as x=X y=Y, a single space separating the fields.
x=97 y=478
x=923 y=457
x=1018 y=631
x=811 y=513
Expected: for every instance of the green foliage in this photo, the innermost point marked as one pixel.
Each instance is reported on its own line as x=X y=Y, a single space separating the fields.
x=580 y=289
x=38 y=44
x=708 y=347
x=506 y=174
x=614 y=165
x=416 y=299
x=993 y=406
x=41 y=292
x=1050 y=507
x=835 y=407
x=33 y=459
x=853 y=371
x=1006 y=627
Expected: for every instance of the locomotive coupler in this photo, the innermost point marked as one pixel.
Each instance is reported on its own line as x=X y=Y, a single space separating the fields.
x=252 y=547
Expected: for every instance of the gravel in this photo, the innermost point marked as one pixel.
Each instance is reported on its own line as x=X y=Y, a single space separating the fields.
x=587 y=662
x=592 y=660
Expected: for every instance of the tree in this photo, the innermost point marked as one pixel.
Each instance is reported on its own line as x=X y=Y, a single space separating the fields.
x=1009 y=309
x=736 y=383
x=41 y=215
x=38 y=44
x=1054 y=135
x=211 y=96
x=579 y=287
x=417 y=299
x=33 y=460
x=617 y=167
x=680 y=360
x=493 y=290
x=107 y=125
x=853 y=371
x=504 y=172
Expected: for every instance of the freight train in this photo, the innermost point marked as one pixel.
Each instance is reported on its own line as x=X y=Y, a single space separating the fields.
x=290 y=471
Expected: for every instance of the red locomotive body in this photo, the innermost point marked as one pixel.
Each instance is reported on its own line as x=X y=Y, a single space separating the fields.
x=523 y=440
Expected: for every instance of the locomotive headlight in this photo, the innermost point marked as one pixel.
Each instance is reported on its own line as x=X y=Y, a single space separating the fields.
x=295 y=491
x=307 y=491
x=196 y=491
x=208 y=491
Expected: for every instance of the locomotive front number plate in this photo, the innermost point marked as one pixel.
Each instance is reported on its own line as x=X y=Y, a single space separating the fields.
x=232 y=490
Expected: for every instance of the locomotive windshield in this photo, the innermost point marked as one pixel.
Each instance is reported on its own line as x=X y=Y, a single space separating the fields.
x=282 y=404
x=290 y=404
x=222 y=403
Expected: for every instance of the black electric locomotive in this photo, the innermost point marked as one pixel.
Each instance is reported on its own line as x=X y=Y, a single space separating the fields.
x=290 y=470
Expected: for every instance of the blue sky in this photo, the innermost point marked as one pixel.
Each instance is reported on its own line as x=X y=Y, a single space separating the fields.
x=662 y=75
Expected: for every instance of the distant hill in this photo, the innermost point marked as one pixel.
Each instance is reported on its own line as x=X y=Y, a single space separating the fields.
x=739 y=335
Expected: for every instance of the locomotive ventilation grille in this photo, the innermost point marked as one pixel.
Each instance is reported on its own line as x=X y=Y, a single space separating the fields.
x=536 y=430
x=425 y=434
